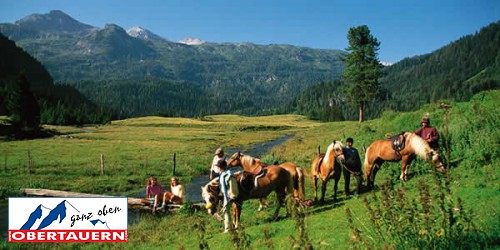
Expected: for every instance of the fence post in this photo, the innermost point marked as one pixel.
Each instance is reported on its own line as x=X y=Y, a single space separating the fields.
x=102 y=164
x=173 y=169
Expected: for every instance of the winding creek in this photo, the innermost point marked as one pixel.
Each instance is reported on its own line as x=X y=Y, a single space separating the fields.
x=192 y=189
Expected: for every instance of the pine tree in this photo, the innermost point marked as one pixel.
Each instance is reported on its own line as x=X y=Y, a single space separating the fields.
x=362 y=68
x=22 y=106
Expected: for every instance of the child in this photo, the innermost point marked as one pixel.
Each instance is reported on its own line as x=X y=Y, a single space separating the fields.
x=153 y=192
x=176 y=194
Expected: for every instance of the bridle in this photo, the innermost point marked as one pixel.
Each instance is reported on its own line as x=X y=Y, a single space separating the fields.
x=232 y=160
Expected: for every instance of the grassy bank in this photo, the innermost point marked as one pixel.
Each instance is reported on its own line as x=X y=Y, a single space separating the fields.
x=137 y=148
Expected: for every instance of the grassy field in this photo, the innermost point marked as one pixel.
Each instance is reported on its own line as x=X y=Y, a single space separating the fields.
x=400 y=212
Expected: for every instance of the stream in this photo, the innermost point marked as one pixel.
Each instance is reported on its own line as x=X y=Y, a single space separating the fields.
x=191 y=189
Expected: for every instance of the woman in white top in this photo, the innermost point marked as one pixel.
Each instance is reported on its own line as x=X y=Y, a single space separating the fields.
x=176 y=193
x=214 y=170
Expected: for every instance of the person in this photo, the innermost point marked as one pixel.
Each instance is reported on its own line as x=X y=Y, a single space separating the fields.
x=229 y=189
x=176 y=193
x=153 y=192
x=428 y=133
x=214 y=170
x=353 y=165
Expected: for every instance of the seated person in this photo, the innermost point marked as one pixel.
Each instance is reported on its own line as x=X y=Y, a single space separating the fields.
x=154 y=192
x=176 y=193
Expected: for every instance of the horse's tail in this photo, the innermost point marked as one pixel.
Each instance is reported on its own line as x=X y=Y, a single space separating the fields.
x=304 y=172
x=366 y=165
x=300 y=184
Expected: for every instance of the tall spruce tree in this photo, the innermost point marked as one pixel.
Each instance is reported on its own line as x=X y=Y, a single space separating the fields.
x=363 y=68
x=22 y=105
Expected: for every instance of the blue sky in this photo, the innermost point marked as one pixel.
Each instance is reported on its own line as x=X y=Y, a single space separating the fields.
x=404 y=28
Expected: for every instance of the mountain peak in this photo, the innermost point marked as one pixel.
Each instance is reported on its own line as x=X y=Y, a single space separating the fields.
x=139 y=32
x=192 y=41
x=55 y=21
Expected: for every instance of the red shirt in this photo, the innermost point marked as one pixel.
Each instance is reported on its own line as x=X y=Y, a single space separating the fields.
x=153 y=190
x=429 y=133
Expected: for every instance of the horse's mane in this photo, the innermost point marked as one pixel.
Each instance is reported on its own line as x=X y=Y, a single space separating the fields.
x=329 y=151
x=419 y=145
x=249 y=160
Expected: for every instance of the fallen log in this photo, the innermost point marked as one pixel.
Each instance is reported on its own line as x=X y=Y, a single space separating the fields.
x=133 y=203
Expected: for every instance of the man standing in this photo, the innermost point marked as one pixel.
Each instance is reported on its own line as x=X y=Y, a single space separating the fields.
x=428 y=133
x=353 y=165
x=229 y=189
x=214 y=170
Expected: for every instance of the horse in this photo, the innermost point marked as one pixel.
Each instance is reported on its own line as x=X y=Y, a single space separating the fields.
x=327 y=166
x=275 y=179
x=255 y=166
x=381 y=151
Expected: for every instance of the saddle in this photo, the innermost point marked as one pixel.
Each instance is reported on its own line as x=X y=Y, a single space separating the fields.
x=318 y=166
x=249 y=180
x=398 y=143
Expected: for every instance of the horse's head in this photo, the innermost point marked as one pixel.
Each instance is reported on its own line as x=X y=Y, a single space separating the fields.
x=234 y=160
x=338 y=151
x=437 y=161
x=211 y=195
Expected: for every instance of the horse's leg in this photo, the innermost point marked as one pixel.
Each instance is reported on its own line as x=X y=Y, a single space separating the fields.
x=368 y=167
x=406 y=161
x=323 y=191
x=236 y=214
x=281 y=199
x=335 y=186
x=263 y=203
x=315 y=182
x=375 y=169
x=403 y=177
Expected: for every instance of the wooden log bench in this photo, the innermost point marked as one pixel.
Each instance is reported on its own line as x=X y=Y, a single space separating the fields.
x=133 y=203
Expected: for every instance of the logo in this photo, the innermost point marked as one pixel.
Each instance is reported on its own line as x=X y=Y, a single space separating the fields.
x=68 y=219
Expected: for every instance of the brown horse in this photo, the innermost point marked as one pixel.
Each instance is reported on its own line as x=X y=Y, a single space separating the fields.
x=381 y=151
x=275 y=179
x=327 y=166
x=255 y=166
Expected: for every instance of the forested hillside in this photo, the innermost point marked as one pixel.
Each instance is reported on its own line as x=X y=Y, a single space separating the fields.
x=59 y=104
x=455 y=72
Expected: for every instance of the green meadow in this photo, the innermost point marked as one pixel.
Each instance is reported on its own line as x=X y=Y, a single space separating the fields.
x=455 y=210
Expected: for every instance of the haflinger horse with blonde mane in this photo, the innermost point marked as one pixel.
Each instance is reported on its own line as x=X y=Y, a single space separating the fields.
x=381 y=151
x=255 y=166
x=327 y=166
x=275 y=179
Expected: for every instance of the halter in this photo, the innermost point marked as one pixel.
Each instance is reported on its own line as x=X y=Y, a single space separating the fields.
x=236 y=158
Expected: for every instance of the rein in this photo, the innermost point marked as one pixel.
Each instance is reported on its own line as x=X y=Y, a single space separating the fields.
x=344 y=166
